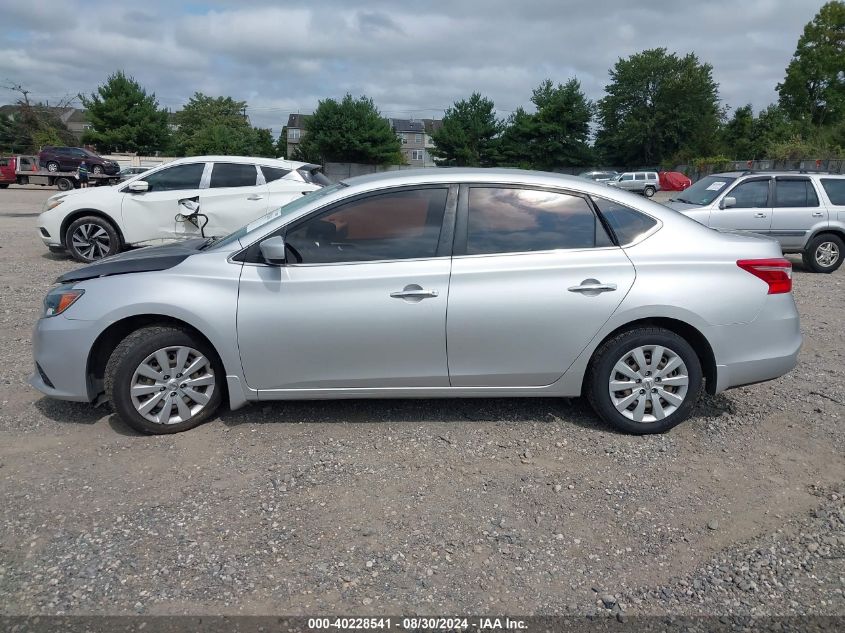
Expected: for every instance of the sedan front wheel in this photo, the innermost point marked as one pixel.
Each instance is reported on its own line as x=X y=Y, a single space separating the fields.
x=646 y=380
x=163 y=380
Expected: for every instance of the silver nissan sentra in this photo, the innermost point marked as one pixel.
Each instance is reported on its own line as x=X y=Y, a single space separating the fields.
x=428 y=284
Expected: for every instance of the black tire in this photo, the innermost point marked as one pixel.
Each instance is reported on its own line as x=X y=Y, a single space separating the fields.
x=52 y=166
x=101 y=246
x=5 y=185
x=97 y=169
x=127 y=357
x=809 y=256
x=649 y=191
x=602 y=371
x=64 y=184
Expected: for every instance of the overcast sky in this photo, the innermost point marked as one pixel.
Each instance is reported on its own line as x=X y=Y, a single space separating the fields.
x=413 y=58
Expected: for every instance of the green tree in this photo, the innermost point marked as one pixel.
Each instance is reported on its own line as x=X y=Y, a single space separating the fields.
x=282 y=143
x=813 y=90
x=556 y=135
x=739 y=134
x=658 y=105
x=349 y=130
x=469 y=135
x=124 y=117
x=219 y=125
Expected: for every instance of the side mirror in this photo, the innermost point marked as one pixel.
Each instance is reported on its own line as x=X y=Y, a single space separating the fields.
x=139 y=186
x=727 y=202
x=273 y=250
x=191 y=205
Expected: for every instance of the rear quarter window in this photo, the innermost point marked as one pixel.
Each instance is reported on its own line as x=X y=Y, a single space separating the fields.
x=835 y=190
x=628 y=224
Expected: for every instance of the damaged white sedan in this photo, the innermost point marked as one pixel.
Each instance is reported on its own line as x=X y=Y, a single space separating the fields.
x=200 y=196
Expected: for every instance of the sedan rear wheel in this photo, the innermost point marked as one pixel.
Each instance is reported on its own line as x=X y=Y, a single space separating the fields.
x=645 y=380
x=163 y=380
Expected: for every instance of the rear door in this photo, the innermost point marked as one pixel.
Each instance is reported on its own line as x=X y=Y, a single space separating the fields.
x=282 y=186
x=534 y=278
x=752 y=211
x=796 y=210
x=236 y=195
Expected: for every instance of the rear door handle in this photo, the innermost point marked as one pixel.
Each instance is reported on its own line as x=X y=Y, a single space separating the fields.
x=413 y=293
x=255 y=197
x=759 y=215
x=818 y=214
x=592 y=286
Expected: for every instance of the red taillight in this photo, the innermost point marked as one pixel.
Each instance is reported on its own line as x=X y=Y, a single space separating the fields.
x=775 y=272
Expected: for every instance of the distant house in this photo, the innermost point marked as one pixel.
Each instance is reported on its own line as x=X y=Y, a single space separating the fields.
x=414 y=134
x=74 y=119
x=295 y=131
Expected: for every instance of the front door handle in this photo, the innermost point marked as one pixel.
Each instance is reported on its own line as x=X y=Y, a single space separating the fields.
x=255 y=197
x=414 y=293
x=759 y=215
x=592 y=287
x=818 y=214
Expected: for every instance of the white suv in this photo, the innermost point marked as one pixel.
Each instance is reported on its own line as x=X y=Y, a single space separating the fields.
x=201 y=196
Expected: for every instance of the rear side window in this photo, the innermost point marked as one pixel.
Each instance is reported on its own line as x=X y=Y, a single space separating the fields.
x=835 y=189
x=313 y=176
x=273 y=173
x=4 y=162
x=795 y=193
x=519 y=220
x=628 y=224
x=233 y=175
x=176 y=178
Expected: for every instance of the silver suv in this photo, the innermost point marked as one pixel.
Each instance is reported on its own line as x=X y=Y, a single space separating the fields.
x=644 y=182
x=804 y=212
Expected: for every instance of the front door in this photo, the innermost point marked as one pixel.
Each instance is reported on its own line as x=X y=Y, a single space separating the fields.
x=534 y=278
x=752 y=211
x=151 y=217
x=360 y=303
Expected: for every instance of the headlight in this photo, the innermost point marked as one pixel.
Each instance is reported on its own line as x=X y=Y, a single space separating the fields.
x=60 y=299
x=52 y=203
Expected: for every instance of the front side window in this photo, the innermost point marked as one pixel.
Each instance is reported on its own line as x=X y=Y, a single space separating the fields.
x=751 y=194
x=176 y=177
x=835 y=189
x=795 y=193
x=503 y=220
x=233 y=175
x=626 y=177
x=401 y=224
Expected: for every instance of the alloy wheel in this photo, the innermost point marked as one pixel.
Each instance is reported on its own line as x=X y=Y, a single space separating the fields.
x=91 y=241
x=827 y=254
x=648 y=383
x=172 y=385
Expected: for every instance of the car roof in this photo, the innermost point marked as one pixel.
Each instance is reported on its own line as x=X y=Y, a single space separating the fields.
x=271 y=162
x=782 y=172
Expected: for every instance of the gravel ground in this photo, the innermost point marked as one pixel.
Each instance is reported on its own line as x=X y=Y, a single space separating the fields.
x=429 y=507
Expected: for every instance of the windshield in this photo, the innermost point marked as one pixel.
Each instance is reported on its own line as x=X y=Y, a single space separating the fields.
x=291 y=207
x=705 y=190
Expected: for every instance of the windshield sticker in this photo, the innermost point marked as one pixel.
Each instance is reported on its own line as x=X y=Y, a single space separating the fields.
x=716 y=186
x=264 y=219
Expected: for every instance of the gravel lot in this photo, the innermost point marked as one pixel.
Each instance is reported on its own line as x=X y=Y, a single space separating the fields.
x=428 y=507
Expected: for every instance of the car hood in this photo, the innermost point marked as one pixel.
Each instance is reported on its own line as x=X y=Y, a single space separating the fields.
x=141 y=260
x=683 y=206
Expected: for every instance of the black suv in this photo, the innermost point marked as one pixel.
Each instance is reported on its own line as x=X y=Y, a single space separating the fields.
x=68 y=159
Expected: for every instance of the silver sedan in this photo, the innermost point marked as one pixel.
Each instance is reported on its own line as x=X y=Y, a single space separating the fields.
x=428 y=284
